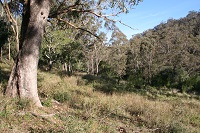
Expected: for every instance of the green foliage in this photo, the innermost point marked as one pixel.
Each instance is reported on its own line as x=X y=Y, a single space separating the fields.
x=4 y=72
x=165 y=78
x=23 y=104
x=167 y=55
x=192 y=84
x=135 y=81
x=176 y=127
x=16 y=7
x=4 y=113
x=59 y=48
x=62 y=96
x=5 y=31
x=47 y=102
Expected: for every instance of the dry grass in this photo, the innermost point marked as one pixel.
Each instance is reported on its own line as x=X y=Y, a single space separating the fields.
x=73 y=108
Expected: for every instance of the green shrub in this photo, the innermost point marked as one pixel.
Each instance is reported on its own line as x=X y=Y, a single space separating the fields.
x=176 y=127
x=61 y=96
x=5 y=112
x=196 y=84
x=47 y=102
x=23 y=104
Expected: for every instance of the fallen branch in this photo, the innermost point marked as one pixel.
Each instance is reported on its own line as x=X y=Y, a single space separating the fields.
x=44 y=117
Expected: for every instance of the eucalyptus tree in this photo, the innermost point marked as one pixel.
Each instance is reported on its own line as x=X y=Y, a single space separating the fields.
x=169 y=52
x=118 y=38
x=140 y=59
x=70 y=55
x=5 y=34
x=117 y=50
x=95 y=52
x=57 y=37
x=177 y=40
x=23 y=78
x=12 y=10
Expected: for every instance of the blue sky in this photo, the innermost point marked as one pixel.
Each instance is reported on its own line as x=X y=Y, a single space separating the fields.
x=150 y=13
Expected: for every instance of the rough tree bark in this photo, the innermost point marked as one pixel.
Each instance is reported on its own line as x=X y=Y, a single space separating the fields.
x=23 y=78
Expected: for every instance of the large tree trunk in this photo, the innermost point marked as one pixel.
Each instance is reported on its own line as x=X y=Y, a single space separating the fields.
x=23 y=78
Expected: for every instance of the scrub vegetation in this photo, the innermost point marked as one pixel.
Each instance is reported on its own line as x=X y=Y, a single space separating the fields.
x=66 y=76
x=70 y=104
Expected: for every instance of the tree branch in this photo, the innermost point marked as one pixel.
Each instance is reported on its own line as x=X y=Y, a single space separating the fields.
x=72 y=8
x=67 y=9
x=70 y=24
x=104 y=16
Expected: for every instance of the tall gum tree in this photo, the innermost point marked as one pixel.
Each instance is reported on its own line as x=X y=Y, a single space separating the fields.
x=23 y=78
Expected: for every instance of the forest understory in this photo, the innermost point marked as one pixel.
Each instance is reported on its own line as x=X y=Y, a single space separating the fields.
x=72 y=104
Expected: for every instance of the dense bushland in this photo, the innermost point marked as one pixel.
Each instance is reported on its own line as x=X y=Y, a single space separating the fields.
x=166 y=56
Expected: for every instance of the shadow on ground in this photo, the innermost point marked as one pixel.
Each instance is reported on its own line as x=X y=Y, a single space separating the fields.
x=104 y=84
x=4 y=76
